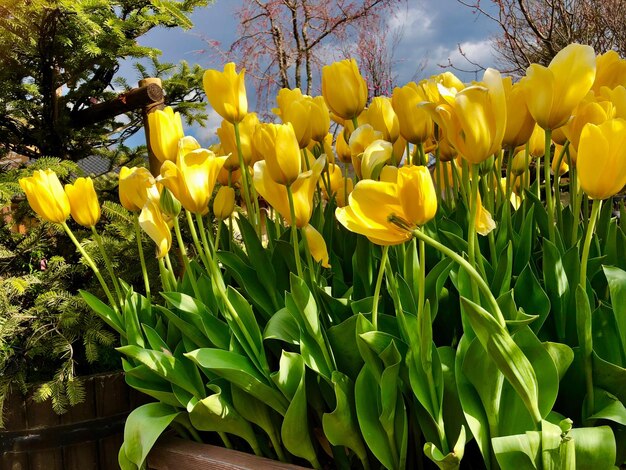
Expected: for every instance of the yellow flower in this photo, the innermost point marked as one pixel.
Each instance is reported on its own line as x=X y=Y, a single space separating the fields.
x=601 y=160
x=344 y=89
x=295 y=109
x=303 y=189
x=320 y=118
x=375 y=156
x=84 y=205
x=343 y=149
x=564 y=168
x=553 y=92
x=336 y=179
x=484 y=221
x=610 y=71
x=226 y=134
x=185 y=145
x=383 y=118
x=192 y=179
x=277 y=143
x=226 y=92
x=362 y=137
x=46 y=196
x=474 y=119
x=537 y=142
x=412 y=198
x=399 y=149
x=343 y=192
x=152 y=222
x=317 y=245
x=133 y=187
x=166 y=129
x=416 y=125
x=519 y=122
x=518 y=163
x=588 y=111
x=224 y=202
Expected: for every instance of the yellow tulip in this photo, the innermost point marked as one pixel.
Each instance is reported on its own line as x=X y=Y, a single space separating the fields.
x=279 y=147
x=564 y=168
x=343 y=192
x=317 y=245
x=588 y=111
x=229 y=178
x=415 y=122
x=84 y=205
x=375 y=156
x=166 y=129
x=389 y=174
x=617 y=97
x=610 y=71
x=192 y=179
x=185 y=145
x=519 y=122
x=297 y=113
x=226 y=92
x=439 y=86
x=383 y=118
x=226 y=134
x=558 y=136
x=284 y=98
x=327 y=148
x=362 y=137
x=303 y=189
x=46 y=196
x=518 y=163
x=133 y=187
x=344 y=89
x=335 y=176
x=484 y=221
x=474 y=119
x=224 y=203
x=153 y=223
x=553 y=92
x=601 y=160
x=399 y=149
x=412 y=199
x=320 y=118
x=343 y=149
x=537 y=142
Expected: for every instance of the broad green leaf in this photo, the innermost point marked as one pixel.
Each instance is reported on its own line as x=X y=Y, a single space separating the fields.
x=132 y=309
x=508 y=357
x=240 y=371
x=453 y=417
x=143 y=427
x=595 y=447
x=562 y=356
x=341 y=426
x=282 y=326
x=519 y=451
x=143 y=379
x=583 y=322
x=167 y=366
x=606 y=335
x=108 y=315
x=502 y=277
x=609 y=407
x=523 y=247
x=190 y=331
x=123 y=461
x=154 y=340
x=343 y=341
x=530 y=297
x=215 y=413
x=451 y=460
x=617 y=287
x=295 y=428
x=557 y=285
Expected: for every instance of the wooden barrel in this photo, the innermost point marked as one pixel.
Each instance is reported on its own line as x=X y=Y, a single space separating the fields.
x=87 y=437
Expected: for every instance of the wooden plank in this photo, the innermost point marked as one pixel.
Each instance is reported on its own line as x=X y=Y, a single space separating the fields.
x=83 y=456
x=112 y=397
x=15 y=420
x=123 y=103
x=179 y=454
x=40 y=415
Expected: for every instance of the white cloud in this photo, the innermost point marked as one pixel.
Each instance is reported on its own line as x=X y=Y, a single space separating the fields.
x=206 y=134
x=411 y=23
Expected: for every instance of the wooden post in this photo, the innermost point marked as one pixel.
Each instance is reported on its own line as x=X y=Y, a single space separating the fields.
x=155 y=164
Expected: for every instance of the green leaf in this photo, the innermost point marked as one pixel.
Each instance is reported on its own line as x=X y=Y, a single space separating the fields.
x=617 y=287
x=450 y=461
x=108 y=315
x=502 y=277
x=132 y=308
x=216 y=413
x=595 y=447
x=523 y=247
x=240 y=371
x=295 y=428
x=143 y=379
x=282 y=326
x=508 y=357
x=154 y=340
x=609 y=377
x=340 y=426
x=143 y=427
x=557 y=285
x=520 y=451
x=189 y=330
x=530 y=296
x=167 y=366
x=343 y=341
x=609 y=406
x=562 y=356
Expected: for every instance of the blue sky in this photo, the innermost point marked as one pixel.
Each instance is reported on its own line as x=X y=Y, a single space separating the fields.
x=430 y=32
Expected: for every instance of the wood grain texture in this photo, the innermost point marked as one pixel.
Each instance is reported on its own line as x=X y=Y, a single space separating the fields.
x=172 y=453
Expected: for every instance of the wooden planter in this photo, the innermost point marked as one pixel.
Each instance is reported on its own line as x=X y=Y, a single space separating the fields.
x=178 y=454
x=87 y=437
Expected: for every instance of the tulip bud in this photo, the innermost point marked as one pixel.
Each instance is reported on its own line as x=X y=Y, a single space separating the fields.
x=317 y=245
x=559 y=154
x=344 y=89
x=362 y=137
x=224 y=203
x=226 y=92
x=279 y=146
x=152 y=222
x=416 y=125
x=383 y=118
x=518 y=163
x=46 y=196
x=169 y=204
x=343 y=149
x=375 y=156
x=133 y=187
x=84 y=205
x=166 y=129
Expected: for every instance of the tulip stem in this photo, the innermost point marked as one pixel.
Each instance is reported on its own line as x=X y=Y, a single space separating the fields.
x=142 y=258
x=557 y=185
x=422 y=279
x=476 y=277
x=379 y=281
x=93 y=267
x=165 y=276
x=196 y=241
x=595 y=209
x=108 y=264
x=183 y=252
x=294 y=232
x=218 y=233
x=244 y=181
x=471 y=232
x=575 y=201
x=548 y=186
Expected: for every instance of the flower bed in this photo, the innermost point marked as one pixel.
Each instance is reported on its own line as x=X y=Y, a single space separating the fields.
x=407 y=317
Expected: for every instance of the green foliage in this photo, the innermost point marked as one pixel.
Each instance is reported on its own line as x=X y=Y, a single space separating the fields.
x=61 y=56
